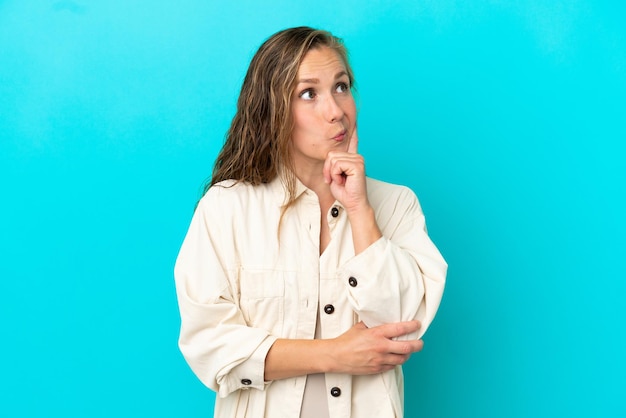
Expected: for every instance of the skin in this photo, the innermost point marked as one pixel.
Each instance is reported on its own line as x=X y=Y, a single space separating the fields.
x=324 y=147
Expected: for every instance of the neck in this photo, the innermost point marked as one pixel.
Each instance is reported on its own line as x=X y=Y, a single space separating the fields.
x=312 y=177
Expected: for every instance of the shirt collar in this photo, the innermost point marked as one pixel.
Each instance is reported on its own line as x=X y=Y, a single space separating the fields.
x=279 y=186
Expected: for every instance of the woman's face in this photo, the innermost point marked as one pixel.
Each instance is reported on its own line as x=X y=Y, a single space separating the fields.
x=323 y=108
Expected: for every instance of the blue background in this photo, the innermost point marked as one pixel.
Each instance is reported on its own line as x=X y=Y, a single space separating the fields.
x=508 y=119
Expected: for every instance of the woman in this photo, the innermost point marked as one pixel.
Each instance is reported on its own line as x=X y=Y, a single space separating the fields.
x=303 y=285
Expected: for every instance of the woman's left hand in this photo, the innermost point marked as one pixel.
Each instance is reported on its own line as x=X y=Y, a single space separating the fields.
x=345 y=173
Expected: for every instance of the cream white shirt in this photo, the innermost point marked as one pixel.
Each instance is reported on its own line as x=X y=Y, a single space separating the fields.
x=241 y=286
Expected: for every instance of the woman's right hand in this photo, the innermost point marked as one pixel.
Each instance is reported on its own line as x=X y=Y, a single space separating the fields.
x=362 y=350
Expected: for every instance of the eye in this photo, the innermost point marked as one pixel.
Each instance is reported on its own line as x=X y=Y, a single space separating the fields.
x=342 y=87
x=308 y=94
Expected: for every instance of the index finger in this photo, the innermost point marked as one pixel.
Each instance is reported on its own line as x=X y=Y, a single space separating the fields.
x=354 y=142
x=397 y=329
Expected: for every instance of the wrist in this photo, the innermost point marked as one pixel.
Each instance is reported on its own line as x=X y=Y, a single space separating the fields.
x=361 y=214
x=365 y=229
x=327 y=359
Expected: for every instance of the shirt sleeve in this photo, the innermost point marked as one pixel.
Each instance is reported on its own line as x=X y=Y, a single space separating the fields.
x=401 y=276
x=221 y=349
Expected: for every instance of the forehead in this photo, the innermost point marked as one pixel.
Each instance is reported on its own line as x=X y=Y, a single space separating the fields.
x=320 y=60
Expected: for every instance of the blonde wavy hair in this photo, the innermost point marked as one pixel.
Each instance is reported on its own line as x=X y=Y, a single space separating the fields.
x=257 y=146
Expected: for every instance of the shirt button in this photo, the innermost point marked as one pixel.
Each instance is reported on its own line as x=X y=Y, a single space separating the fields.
x=335 y=392
x=334 y=212
x=246 y=382
x=352 y=282
x=329 y=309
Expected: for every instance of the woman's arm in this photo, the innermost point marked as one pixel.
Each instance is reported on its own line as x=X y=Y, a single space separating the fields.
x=401 y=276
x=358 y=351
x=221 y=349
x=344 y=172
x=397 y=273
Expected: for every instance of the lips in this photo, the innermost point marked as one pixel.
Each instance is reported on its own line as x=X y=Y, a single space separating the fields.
x=340 y=136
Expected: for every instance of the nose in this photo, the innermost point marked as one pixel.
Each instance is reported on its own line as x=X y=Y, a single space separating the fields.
x=333 y=110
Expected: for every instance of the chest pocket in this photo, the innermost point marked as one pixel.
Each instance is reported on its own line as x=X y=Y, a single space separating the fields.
x=262 y=299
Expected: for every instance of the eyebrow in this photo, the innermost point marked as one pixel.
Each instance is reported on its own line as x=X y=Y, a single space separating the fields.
x=317 y=80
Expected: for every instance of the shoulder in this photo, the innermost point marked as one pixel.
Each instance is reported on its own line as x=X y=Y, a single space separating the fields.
x=381 y=193
x=230 y=195
x=396 y=207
